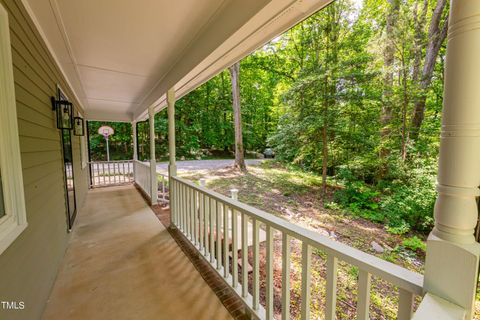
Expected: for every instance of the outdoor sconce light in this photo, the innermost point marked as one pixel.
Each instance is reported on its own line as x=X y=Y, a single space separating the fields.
x=64 y=112
x=78 y=126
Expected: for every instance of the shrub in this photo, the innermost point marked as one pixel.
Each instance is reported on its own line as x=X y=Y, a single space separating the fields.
x=415 y=244
x=403 y=202
x=408 y=202
x=358 y=197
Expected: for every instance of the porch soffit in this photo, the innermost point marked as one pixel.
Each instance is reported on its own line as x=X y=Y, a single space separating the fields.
x=121 y=56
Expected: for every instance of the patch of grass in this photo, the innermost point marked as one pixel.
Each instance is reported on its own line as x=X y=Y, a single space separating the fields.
x=353 y=272
x=391 y=256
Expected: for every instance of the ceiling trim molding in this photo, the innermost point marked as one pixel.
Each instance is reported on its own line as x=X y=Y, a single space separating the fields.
x=86 y=66
x=97 y=115
x=51 y=51
x=113 y=100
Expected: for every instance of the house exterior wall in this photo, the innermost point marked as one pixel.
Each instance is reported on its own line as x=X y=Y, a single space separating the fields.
x=28 y=267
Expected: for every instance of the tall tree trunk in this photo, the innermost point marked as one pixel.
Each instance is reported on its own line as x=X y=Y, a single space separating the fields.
x=324 y=155
x=436 y=36
x=237 y=117
x=223 y=120
x=404 y=109
x=330 y=87
x=420 y=19
x=389 y=60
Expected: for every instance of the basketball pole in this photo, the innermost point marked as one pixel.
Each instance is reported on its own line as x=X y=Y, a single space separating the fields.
x=108 y=150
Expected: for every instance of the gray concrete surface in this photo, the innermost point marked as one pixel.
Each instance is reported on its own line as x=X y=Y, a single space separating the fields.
x=195 y=165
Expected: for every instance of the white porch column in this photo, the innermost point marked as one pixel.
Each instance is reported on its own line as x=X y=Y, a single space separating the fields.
x=135 y=155
x=153 y=161
x=134 y=133
x=452 y=253
x=172 y=167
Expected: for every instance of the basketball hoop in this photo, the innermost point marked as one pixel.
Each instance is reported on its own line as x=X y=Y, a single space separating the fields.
x=106 y=132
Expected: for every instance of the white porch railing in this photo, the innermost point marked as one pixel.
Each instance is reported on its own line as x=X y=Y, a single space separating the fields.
x=142 y=176
x=110 y=173
x=206 y=217
x=163 y=188
x=143 y=180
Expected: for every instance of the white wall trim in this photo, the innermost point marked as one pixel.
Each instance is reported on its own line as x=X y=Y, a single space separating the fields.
x=15 y=219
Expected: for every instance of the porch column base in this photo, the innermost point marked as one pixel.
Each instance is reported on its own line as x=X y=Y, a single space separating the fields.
x=451 y=271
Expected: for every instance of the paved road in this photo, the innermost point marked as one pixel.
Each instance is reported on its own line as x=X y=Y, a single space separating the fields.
x=194 y=165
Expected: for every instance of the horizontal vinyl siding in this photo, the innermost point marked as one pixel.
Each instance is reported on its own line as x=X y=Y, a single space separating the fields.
x=29 y=266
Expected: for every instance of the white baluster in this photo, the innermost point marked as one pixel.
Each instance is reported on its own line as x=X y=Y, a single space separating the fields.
x=201 y=223
x=234 y=248
x=269 y=273
x=211 y=212
x=244 y=255
x=196 y=225
x=219 y=236
x=363 y=302
x=256 y=264
x=306 y=278
x=331 y=290
x=225 y=241
x=405 y=304
x=286 y=276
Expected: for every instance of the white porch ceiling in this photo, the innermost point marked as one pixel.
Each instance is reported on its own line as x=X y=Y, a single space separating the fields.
x=121 y=56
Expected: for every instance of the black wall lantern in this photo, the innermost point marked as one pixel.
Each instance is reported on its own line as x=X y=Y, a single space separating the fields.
x=64 y=112
x=78 y=126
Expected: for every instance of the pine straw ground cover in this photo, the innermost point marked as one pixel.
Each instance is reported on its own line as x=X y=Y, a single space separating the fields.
x=295 y=196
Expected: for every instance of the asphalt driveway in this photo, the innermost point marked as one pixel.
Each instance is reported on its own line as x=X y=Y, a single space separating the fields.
x=195 y=165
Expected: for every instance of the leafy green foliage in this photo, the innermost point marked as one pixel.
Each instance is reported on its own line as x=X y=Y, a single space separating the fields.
x=415 y=244
x=409 y=199
x=404 y=203
x=358 y=197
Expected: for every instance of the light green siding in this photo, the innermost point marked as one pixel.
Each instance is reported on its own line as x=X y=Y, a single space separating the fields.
x=29 y=266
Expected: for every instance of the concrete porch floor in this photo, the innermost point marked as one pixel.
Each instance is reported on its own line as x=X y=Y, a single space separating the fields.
x=122 y=263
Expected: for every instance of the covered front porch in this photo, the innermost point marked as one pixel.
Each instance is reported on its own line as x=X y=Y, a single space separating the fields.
x=122 y=263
